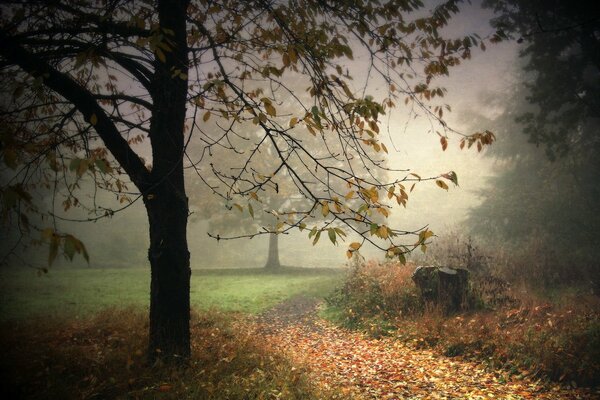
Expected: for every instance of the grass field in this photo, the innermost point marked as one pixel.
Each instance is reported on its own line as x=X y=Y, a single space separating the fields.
x=82 y=333
x=80 y=292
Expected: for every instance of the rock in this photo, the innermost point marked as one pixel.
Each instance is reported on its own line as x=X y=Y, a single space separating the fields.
x=444 y=287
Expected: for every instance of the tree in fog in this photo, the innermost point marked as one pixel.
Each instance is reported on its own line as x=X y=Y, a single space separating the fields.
x=276 y=208
x=114 y=91
x=549 y=143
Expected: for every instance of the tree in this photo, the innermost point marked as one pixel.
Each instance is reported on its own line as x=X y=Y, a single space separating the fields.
x=273 y=210
x=555 y=106
x=561 y=49
x=88 y=81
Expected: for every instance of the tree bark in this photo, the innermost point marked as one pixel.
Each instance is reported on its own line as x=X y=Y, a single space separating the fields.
x=273 y=259
x=165 y=198
x=169 y=335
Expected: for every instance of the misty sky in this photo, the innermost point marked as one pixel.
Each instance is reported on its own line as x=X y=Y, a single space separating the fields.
x=413 y=147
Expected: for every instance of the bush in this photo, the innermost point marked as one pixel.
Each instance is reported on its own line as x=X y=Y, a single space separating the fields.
x=518 y=332
x=374 y=294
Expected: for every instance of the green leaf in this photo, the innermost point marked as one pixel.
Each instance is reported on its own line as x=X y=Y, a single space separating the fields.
x=317 y=237
x=402 y=258
x=251 y=210
x=103 y=166
x=373 y=228
x=93 y=119
x=54 y=242
x=74 y=164
x=331 y=234
x=69 y=247
x=315 y=113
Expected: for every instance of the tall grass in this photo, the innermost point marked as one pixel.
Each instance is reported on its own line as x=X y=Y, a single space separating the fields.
x=102 y=357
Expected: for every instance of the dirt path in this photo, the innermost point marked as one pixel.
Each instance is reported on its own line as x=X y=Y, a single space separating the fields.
x=367 y=368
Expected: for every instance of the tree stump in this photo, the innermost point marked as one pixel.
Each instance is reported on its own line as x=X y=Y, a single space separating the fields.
x=443 y=287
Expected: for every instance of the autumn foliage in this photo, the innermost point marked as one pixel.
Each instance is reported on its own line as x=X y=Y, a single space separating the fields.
x=103 y=357
x=511 y=329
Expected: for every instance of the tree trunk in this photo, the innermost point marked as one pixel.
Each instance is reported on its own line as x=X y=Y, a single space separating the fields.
x=273 y=259
x=165 y=198
x=169 y=335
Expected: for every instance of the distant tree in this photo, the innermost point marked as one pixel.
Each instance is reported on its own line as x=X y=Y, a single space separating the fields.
x=561 y=51
x=278 y=207
x=91 y=87
x=554 y=105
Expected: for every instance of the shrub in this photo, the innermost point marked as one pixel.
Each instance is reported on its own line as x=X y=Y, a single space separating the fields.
x=515 y=331
x=374 y=294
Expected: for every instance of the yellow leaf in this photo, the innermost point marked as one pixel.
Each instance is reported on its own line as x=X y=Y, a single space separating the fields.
x=160 y=55
x=383 y=232
x=293 y=122
x=325 y=209
x=93 y=119
x=270 y=109
x=293 y=55
x=441 y=184
x=391 y=192
x=348 y=254
x=383 y=212
x=355 y=245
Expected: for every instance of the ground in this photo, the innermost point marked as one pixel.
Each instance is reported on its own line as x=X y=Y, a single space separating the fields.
x=363 y=367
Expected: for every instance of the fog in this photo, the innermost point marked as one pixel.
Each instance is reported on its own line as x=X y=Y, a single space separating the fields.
x=122 y=240
x=474 y=90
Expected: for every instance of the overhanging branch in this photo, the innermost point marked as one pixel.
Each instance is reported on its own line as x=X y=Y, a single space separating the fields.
x=85 y=103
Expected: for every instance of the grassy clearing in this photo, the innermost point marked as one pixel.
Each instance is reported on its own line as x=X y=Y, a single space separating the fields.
x=81 y=292
x=82 y=333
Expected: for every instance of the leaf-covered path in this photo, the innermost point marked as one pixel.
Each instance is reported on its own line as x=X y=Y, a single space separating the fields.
x=367 y=368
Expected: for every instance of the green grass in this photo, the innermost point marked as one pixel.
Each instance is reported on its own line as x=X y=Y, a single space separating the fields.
x=80 y=292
